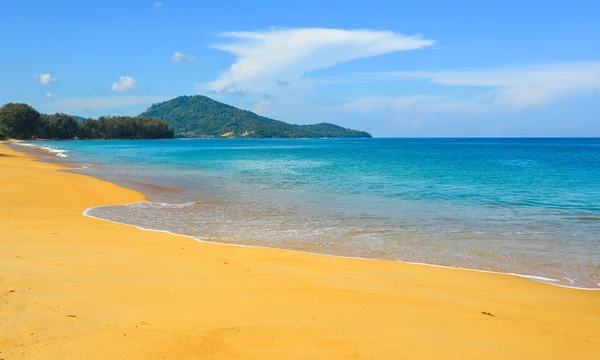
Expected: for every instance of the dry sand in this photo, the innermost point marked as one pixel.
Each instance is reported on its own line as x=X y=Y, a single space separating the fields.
x=90 y=289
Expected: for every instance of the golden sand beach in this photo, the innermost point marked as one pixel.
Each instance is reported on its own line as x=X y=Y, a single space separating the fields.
x=74 y=287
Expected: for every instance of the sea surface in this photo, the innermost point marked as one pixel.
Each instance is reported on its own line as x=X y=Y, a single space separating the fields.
x=524 y=206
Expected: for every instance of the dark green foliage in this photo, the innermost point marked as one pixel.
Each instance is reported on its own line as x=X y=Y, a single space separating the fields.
x=90 y=129
x=121 y=127
x=58 y=126
x=128 y=127
x=19 y=121
x=330 y=130
x=2 y=132
x=200 y=116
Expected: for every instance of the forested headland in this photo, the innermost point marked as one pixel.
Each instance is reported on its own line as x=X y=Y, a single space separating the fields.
x=184 y=116
x=201 y=116
x=23 y=122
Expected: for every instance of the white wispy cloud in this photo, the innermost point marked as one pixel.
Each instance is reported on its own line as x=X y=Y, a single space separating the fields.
x=266 y=57
x=494 y=90
x=421 y=103
x=44 y=79
x=51 y=95
x=261 y=106
x=178 y=57
x=101 y=103
x=125 y=83
x=368 y=103
x=158 y=5
x=515 y=87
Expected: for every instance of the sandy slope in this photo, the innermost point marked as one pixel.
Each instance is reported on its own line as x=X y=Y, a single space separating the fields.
x=89 y=289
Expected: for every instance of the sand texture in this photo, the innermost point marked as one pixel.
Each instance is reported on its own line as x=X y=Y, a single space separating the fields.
x=90 y=289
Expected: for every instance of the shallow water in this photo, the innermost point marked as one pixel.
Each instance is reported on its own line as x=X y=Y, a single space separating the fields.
x=529 y=206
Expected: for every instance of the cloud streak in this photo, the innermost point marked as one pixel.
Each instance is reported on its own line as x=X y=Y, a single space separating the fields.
x=515 y=87
x=179 y=57
x=368 y=103
x=420 y=103
x=269 y=57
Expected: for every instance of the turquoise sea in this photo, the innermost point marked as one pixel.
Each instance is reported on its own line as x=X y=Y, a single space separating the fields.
x=525 y=206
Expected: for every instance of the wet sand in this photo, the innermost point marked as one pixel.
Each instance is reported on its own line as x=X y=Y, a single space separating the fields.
x=91 y=289
x=147 y=187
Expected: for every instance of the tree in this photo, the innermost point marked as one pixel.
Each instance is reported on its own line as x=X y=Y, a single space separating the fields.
x=90 y=129
x=44 y=130
x=58 y=126
x=19 y=121
x=128 y=127
x=64 y=126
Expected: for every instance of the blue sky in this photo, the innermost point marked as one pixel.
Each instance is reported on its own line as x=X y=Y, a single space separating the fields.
x=427 y=68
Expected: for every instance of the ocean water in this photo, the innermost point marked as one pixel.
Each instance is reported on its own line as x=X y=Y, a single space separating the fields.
x=526 y=206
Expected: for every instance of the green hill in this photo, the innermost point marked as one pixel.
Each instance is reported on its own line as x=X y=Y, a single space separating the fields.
x=200 y=116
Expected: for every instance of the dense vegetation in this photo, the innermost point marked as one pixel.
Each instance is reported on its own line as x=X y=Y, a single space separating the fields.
x=125 y=127
x=188 y=116
x=200 y=116
x=21 y=121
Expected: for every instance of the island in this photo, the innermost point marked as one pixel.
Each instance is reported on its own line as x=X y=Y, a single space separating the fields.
x=201 y=116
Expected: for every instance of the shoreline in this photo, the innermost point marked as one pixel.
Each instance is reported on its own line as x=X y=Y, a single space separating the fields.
x=41 y=153
x=152 y=191
x=147 y=189
x=45 y=154
x=92 y=289
x=539 y=279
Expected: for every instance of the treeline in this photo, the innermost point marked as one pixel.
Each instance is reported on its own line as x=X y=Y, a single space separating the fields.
x=21 y=121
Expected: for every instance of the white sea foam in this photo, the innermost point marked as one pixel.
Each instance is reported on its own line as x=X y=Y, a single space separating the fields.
x=545 y=280
x=57 y=152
